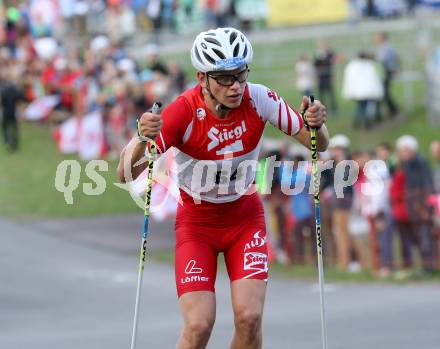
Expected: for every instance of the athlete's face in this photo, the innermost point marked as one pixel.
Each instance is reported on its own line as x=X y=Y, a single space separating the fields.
x=227 y=87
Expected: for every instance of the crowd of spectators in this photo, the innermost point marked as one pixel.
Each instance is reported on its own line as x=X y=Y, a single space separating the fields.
x=391 y=210
x=98 y=75
x=122 y=19
x=384 y=8
x=81 y=52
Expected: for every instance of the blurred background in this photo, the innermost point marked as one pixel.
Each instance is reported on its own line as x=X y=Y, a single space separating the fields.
x=75 y=75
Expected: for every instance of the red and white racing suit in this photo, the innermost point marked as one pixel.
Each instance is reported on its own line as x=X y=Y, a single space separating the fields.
x=216 y=161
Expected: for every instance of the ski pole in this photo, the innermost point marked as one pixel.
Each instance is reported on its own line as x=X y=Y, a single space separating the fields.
x=316 y=199
x=149 y=184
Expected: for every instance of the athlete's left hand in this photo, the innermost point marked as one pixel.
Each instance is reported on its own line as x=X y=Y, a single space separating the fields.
x=316 y=114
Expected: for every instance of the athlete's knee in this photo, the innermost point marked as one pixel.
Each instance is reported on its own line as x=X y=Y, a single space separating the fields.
x=248 y=320
x=198 y=330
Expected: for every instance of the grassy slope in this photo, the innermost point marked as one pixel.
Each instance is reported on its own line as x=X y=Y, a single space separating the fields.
x=27 y=182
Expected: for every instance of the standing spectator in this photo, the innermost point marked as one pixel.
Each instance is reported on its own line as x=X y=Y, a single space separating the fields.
x=12 y=29
x=339 y=150
x=120 y=22
x=435 y=199
x=153 y=59
x=435 y=151
x=362 y=84
x=209 y=12
x=275 y=212
x=383 y=220
x=411 y=186
x=10 y=95
x=373 y=189
x=279 y=201
x=305 y=75
x=411 y=4
x=325 y=58
x=400 y=211
x=177 y=77
x=384 y=153
x=188 y=8
x=353 y=11
x=301 y=208
x=370 y=9
x=154 y=13
x=215 y=12
x=63 y=81
x=388 y=57
x=139 y=9
x=358 y=225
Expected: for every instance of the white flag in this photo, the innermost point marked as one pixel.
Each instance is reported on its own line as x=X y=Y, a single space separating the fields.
x=67 y=135
x=91 y=137
x=41 y=108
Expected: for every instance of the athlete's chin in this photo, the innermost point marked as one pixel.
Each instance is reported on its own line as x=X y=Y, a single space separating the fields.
x=233 y=102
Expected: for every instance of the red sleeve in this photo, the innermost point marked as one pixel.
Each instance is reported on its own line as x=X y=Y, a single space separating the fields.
x=175 y=120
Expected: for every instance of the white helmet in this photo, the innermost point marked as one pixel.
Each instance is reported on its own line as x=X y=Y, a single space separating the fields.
x=220 y=49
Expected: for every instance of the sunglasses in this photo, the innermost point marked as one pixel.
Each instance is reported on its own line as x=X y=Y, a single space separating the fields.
x=229 y=79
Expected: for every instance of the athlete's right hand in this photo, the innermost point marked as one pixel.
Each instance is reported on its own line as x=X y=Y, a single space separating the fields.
x=150 y=125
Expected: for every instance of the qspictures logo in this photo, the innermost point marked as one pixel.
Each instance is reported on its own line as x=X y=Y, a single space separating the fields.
x=205 y=177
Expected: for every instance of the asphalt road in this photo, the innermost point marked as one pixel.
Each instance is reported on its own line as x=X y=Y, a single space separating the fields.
x=71 y=284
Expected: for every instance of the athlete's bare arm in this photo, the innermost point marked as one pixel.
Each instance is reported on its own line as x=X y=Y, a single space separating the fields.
x=130 y=155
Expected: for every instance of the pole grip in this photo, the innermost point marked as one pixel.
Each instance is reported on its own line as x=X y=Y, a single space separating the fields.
x=157 y=106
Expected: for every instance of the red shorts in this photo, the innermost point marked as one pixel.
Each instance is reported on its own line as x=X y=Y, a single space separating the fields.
x=203 y=231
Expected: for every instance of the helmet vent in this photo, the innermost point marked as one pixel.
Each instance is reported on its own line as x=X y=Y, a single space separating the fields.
x=213 y=41
x=219 y=53
x=209 y=58
x=232 y=37
x=236 y=49
x=198 y=55
x=245 y=51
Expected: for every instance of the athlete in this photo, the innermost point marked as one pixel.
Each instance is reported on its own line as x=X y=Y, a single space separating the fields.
x=216 y=130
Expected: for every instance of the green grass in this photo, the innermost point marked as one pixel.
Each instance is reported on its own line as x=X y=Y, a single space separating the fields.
x=27 y=177
x=27 y=182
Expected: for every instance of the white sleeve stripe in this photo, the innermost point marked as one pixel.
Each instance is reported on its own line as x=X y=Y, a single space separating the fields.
x=284 y=118
x=187 y=132
x=163 y=143
x=289 y=119
x=279 y=116
x=300 y=121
